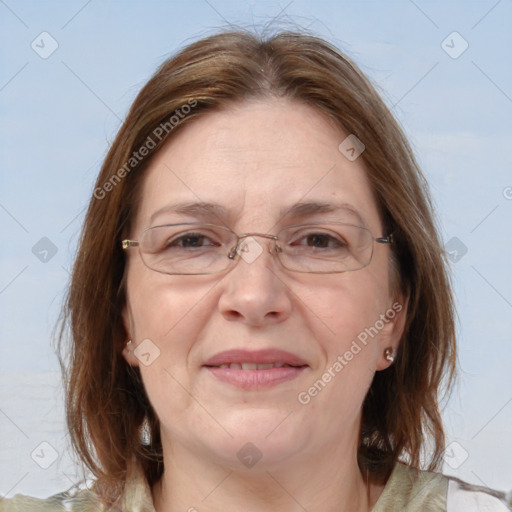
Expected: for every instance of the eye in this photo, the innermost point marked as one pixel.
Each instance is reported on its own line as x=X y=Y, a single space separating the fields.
x=190 y=240
x=322 y=240
x=176 y=238
x=318 y=240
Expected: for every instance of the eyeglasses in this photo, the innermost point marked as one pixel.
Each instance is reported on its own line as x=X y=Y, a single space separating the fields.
x=195 y=249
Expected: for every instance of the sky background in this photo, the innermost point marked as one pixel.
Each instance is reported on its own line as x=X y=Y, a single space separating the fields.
x=69 y=71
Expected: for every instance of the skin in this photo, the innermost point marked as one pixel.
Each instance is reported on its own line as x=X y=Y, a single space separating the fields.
x=256 y=158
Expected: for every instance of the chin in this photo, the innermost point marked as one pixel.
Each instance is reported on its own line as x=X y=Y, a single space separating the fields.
x=261 y=439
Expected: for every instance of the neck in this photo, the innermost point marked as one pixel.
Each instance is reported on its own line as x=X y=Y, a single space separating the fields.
x=329 y=481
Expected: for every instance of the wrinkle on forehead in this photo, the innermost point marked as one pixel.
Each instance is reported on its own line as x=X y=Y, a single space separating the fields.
x=254 y=159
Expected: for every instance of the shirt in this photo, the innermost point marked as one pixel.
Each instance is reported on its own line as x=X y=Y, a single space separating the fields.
x=407 y=490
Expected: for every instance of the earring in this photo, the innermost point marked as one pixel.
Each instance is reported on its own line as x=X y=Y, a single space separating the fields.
x=145 y=432
x=388 y=354
x=128 y=343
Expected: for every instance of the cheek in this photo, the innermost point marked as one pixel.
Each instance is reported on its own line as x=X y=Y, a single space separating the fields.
x=163 y=308
x=172 y=315
x=347 y=307
x=345 y=320
x=168 y=315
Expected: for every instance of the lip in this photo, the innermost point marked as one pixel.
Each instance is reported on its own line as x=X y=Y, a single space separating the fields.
x=256 y=379
x=258 y=357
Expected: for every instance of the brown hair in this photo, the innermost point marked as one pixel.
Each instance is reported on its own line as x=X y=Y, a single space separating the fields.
x=106 y=401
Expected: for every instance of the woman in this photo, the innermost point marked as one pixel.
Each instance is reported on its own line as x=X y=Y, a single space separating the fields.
x=260 y=309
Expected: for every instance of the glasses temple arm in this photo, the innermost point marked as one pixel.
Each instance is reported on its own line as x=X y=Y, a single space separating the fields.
x=126 y=244
x=385 y=240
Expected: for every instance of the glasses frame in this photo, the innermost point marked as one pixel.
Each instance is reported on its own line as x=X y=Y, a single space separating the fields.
x=128 y=243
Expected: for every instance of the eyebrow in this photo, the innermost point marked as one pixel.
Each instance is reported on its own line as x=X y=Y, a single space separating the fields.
x=306 y=209
x=301 y=210
x=194 y=209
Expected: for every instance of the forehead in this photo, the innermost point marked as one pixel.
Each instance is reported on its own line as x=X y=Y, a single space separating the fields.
x=256 y=161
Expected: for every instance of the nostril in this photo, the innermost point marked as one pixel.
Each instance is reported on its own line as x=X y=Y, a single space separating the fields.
x=233 y=315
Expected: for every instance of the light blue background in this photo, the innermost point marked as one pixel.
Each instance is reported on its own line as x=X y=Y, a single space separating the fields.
x=59 y=115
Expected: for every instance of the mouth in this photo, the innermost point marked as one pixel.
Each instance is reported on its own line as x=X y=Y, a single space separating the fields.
x=253 y=366
x=255 y=370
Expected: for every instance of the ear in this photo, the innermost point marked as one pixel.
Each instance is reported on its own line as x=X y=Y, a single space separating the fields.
x=391 y=333
x=129 y=344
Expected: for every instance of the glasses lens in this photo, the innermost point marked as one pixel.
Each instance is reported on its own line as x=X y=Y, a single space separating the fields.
x=187 y=248
x=204 y=248
x=325 y=248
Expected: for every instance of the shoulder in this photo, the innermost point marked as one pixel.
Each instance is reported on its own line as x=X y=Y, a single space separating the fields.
x=412 y=490
x=81 y=501
x=462 y=497
x=135 y=496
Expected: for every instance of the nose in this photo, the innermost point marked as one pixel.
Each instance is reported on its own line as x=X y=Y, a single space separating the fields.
x=254 y=292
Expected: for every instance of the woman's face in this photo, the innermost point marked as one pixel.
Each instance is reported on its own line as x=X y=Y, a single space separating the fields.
x=256 y=162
